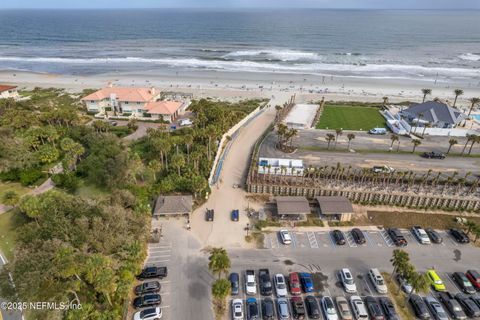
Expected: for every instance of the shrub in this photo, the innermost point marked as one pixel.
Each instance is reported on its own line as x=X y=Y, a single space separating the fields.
x=108 y=108
x=67 y=181
x=10 y=198
x=30 y=176
x=11 y=175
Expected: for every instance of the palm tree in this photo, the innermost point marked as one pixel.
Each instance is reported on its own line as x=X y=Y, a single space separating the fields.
x=475 y=139
x=451 y=143
x=425 y=93
x=219 y=262
x=400 y=259
x=457 y=92
x=338 y=132
x=473 y=101
x=330 y=137
x=350 y=137
x=385 y=101
x=393 y=137
x=425 y=126
x=419 y=282
x=469 y=139
x=416 y=143
x=419 y=116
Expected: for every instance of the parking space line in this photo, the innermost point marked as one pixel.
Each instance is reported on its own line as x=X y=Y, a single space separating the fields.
x=386 y=238
x=318 y=240
x=369 y=241
x=294 y=239
x=156 y=261
x=453 y=282
x=350 y=240
x=312 y=240
x=331 y=239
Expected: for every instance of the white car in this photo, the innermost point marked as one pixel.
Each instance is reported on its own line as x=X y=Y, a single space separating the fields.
x=329 y=308
x=378 y=281
x=237 y=309
x=421 y=235
x=250 y=284
x=286 y=237
x=347 y=280
x=358 y=308
x=148 y=314
x=280 y=285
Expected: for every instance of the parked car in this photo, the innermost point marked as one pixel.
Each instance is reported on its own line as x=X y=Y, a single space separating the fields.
x=397 y=237
x=404 y=285
x=343 y=308
x=463 y=282
x=313 y=309
x=347 y=281
x=235 y=283
x=329 y=308
x=282 y=309
x=374 y=308
x=378 y=281
x=210 y=214
x=147 y=300
x=113 y=123
x=476 y=299
x=286 y=237
x=459 y=235
x=433 y=155
x=435 y=281
x=147 y=287
x=383 y=169
x=268 y=307
x=298 y=308
x=252 y=309
x=153 y=272
x=419 y=307
x=338 y=237
x=452 y=306
x=388 y=308
x=358 y=236
x=235 y=215
x=306 y=281
x=434 y=236
x=265 y=282
x=250 y=282
x=469 y=306
x=436 y=308
x=358 y=308
x=280 y=285
x=294 y=284
x=379 y=131
x=421 y=235
x=237 y=309
x=148 y=314
x=474 y=278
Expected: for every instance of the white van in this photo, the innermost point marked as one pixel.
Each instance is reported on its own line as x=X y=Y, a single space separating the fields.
x=358 y=308
x=378 y=131
x=378 y=281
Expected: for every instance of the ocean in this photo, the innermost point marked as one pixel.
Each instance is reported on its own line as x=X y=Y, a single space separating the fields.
x=419 y=45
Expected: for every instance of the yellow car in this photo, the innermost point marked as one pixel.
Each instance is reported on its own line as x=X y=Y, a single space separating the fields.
x=435 y=280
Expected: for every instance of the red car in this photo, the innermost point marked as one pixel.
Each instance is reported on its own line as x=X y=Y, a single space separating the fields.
x=294 y=283
x=474 y=278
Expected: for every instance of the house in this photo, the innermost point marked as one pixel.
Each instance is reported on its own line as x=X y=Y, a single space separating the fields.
x=173 y=205
x=7 y=91
x=121 y=100
x=436 y=114
x=165 y=110
x=293 y=208
x=335 y=208
x=289 y=167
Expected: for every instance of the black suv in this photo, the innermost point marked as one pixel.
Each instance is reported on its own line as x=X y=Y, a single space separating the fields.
x=397 y=237
x=433 y=155
x=419 y=307
x=298 y=308
x=452 y=305
x=468 y=305
x=434 y=236
x=147 y=287
x=147 y=300
x=388 y=308
x=153 y=272
x=374 y=308
x=312 y=307
x=268 y=307
x=209 y=215
x=459 y=235
x=358 y=236
x=338 y=237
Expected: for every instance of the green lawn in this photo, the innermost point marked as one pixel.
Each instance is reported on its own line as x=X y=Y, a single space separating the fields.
x=90 y=191
x=12 y=186
x=348 y=117
x=9 y=222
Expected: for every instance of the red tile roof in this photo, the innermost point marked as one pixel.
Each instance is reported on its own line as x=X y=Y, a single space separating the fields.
x=124 y=94
x=6 y=88
x=163 y=107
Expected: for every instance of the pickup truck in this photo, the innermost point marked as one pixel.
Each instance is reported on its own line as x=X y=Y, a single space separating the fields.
x=265 y=282
x=250 y=283
x=298 y=308
x=153 y=272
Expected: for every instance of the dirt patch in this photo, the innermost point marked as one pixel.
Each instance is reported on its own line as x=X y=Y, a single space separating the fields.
x=399 y=299
x=409 y=219
x=288 y=262
x=320 y=281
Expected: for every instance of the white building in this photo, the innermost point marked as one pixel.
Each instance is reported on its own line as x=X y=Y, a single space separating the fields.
x=302 y=116
x=8 y=92
x=289 y=167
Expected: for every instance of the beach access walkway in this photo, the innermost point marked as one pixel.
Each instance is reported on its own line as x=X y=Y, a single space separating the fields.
x=226 y=196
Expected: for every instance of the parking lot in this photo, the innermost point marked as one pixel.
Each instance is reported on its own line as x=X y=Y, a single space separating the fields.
x=324 y=239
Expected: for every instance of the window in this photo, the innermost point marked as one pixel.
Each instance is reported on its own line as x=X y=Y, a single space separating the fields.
x=92 y=101
x=126 y=102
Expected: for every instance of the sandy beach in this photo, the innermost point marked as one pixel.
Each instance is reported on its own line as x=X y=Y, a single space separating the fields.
x=237 y=85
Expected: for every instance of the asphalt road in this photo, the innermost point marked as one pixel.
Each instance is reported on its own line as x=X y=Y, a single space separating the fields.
x=367 y=160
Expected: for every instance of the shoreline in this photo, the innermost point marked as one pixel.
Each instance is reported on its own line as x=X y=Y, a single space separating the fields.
x=243 y=85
